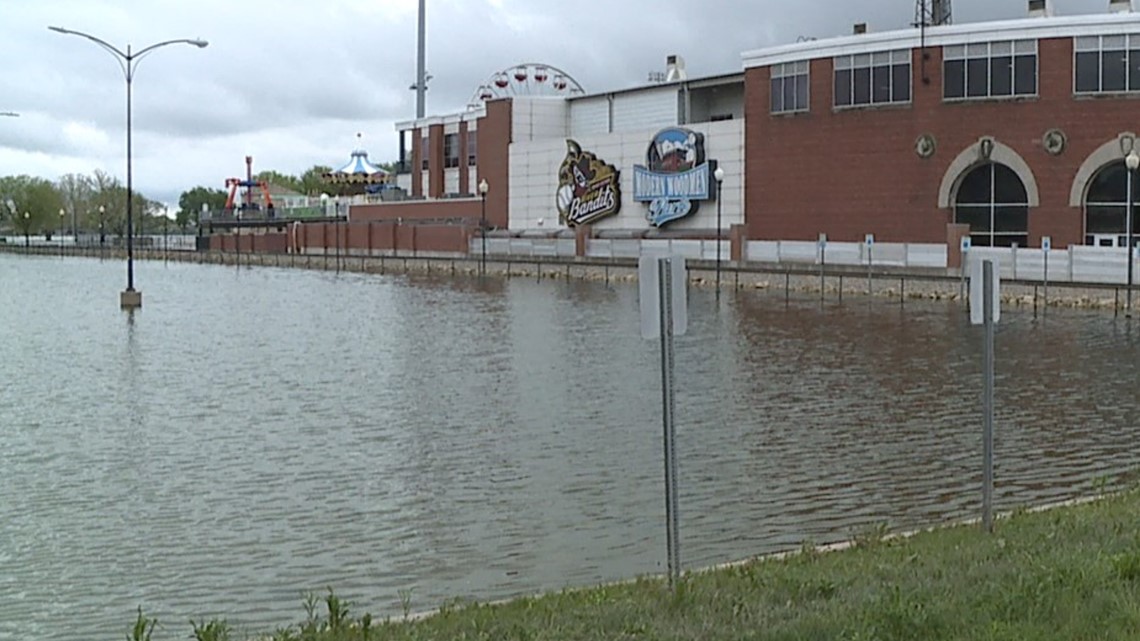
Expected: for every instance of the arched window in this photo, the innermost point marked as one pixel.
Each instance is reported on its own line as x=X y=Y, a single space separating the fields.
x=1106 y=206
x=992 y=200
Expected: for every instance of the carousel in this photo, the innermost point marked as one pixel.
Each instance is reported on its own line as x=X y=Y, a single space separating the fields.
x=358 y=176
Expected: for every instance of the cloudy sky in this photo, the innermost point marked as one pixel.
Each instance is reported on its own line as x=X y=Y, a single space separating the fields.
x=291 y=82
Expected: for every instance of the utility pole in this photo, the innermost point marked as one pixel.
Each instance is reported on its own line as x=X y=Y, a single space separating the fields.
x=421 y=63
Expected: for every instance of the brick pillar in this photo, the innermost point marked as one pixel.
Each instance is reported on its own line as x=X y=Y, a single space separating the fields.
x=954 y=235
x=417 y=164
x=737 y=238
x=464 y=178
x=435 y=161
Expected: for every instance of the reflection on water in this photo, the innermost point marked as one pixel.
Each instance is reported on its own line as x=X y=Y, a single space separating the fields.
x=252 y=434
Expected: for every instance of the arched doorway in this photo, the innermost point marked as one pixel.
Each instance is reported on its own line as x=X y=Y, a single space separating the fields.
x=1106 y=206
x=993 y=201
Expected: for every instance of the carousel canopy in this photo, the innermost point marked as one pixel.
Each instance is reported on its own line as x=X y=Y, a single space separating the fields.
x=358 y=170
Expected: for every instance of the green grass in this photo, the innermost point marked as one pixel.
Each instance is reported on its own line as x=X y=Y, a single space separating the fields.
x=1070 y=573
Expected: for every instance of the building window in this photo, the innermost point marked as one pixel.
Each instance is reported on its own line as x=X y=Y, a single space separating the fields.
x=872 y=79
x=992 y=200
x=472 y=148
x=1106 y=64
x=989 y=70
x=790 y=87
x=425 y=152
x=450 y=151
x=1106 y=206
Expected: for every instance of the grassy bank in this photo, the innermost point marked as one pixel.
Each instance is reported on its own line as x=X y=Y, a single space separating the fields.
x=1070 y=573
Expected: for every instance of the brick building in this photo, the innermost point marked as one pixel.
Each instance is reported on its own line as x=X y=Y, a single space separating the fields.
x=1018 y=129
x=1009 y=131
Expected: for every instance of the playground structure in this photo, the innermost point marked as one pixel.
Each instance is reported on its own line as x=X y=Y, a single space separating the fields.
x=248 y=203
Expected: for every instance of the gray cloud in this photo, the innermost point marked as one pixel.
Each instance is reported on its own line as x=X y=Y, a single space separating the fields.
x=292 y=81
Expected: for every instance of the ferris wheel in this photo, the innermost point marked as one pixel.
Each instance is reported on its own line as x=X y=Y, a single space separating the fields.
x=526 y=79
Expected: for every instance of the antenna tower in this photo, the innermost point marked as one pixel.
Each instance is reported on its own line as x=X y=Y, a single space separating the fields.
x=930 y=13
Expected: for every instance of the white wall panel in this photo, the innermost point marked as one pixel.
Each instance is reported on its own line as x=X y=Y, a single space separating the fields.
x=589 y=116
x=638 y=110
x=450 y=181
x=534 y=177
x=538 y=118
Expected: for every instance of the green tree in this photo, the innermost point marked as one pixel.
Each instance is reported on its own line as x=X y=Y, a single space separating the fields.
x=279 y=179
x=37 y=198
x=191 y=201
x=313 y=183
x=75 y=192
x=111 y=195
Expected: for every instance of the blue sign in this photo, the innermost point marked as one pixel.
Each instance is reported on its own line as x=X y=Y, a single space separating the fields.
x=677 y=177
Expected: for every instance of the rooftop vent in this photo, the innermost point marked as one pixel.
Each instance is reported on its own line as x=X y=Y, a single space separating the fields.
x=675 y=68
x=860 y=28
x=1120 y=6
x=1040 y=8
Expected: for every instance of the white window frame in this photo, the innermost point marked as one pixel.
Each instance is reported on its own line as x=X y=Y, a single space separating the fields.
x=1087 y=44
x=988 y=51
x=792 y=70
x=868 y=61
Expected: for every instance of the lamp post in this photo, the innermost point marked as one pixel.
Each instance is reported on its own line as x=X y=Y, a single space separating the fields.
x=483 y=189
x=719 y=176
x=129 y=63
x=1132 y=162
x=27 y=224
x=165 y=227
x=62 y=213
x=102 y=235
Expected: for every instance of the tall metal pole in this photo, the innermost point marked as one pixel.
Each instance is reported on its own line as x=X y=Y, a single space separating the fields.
x=672 y=529
x=719 y=183
x=988 y=398
x=483 y=229
x=130 y=198
x=421 y=61
x=1128 y=311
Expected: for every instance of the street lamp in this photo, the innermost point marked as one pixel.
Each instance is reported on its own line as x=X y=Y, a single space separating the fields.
x=129 y=63
x=1132 y=161
x=102 y=235
x=483 y=189
x=719 y=176
x=165 y=238
x=27 y=224
x=62 y=213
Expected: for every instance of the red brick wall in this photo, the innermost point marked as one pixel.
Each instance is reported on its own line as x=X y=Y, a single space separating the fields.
x=466 y=208
x=494 y=143
x=853 y=172
x=361 y=236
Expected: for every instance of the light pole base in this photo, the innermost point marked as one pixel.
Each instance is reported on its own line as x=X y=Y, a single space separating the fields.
x=130 y=299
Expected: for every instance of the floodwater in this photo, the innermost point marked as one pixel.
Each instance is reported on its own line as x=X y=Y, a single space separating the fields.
x=254 y=434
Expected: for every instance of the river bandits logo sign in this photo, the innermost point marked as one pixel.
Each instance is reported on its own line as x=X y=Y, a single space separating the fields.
x=677 y=177
x=588 y=188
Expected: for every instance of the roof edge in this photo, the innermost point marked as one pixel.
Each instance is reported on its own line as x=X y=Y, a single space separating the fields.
x=944 y=35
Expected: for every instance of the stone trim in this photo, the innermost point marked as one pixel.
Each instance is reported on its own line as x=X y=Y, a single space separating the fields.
x=975 y=155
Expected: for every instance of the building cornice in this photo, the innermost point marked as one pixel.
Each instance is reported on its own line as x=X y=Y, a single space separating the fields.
x=947 y=35
x=449 y=119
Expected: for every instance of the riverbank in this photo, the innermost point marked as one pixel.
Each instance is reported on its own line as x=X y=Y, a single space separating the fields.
x=829 y=282
x=1071 y=572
